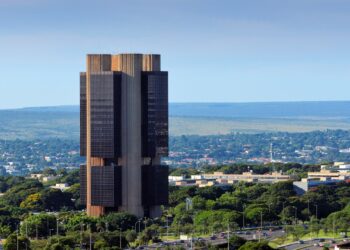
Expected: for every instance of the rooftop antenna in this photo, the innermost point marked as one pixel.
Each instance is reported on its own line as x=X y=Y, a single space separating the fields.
x=271 y=153
x=271 y=158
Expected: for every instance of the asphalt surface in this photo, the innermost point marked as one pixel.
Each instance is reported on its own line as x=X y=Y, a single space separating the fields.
x=312 y=245
x=220 y=239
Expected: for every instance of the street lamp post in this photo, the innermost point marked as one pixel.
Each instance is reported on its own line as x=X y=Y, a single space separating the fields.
x=243 y=208
x=81 y=235
x=228 y=236
x=120 y=238
x=90 y=237
x=167 y=227
x=316 y=211
x=17 y=243
x=139 y=222
x=261 y=225
x=57 y=233
x=284 y=212
x=295 y=215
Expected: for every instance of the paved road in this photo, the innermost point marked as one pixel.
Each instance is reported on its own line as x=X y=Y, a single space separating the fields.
x=220 y=239
x=309 y=245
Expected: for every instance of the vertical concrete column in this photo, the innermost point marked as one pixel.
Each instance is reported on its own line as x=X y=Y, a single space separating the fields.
x=131 y=160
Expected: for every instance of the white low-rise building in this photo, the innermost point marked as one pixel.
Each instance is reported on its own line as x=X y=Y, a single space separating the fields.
x=61 y=186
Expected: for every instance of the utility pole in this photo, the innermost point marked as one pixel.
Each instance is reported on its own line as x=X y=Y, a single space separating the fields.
x=284 y=212
x=81 y=235
x=243 y=207
x=120 y=238
x=167 y=227
x=90 y=240
x=228 y=236
x=192 y=241
x=316 y=211
x=57 y=227
x=17 y=243
x=295 y=215
x=261 y=225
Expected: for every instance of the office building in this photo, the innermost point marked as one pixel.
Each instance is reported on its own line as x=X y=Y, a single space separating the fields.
x=124 y=134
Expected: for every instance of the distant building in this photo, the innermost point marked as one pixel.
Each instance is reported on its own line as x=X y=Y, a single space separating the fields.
x=221 y=179
x=49 y=178
x=333 y=174
x=37 y=176
x=248 y=177
x=301 y=187
x=60 y=186
x=172 y=178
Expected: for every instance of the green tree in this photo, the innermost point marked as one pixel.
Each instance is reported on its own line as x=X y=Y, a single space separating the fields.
x=39 y=225
x=5 y=231
x=33 y=202
x=130 y=236
x=55 y=199
x=78 y=221
x=236 y=242
x=116 y=221
x=252 y=245
x=12 y=241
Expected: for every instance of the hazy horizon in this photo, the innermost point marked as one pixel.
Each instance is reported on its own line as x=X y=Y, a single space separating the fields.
x=251 y=102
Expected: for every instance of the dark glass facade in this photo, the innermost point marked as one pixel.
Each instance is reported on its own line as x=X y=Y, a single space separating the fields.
x=105 y=107
x=154 y=123
x=83 y=179
x=83 y=114
x=155 y=187
x=105 y=186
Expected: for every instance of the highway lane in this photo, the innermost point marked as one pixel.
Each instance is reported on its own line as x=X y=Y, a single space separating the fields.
x=221 y=238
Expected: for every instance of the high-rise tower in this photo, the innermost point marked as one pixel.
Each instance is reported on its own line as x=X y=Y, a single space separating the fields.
x=124 y=134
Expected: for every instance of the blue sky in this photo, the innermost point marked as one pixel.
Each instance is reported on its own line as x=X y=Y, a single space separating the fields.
x=214 y=50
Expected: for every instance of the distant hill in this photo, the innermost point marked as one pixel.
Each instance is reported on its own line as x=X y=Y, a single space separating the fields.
x=66 y=108
x=189 y=118
x=262 y=109
x=234 y=110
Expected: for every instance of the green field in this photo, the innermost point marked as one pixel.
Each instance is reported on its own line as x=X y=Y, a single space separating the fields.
x=33 y=125
x=208 y=126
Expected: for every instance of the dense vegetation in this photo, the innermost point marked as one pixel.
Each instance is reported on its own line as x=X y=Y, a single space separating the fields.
x=47 y=218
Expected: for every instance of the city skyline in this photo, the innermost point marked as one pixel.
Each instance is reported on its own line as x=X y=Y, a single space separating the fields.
x=271 y=51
